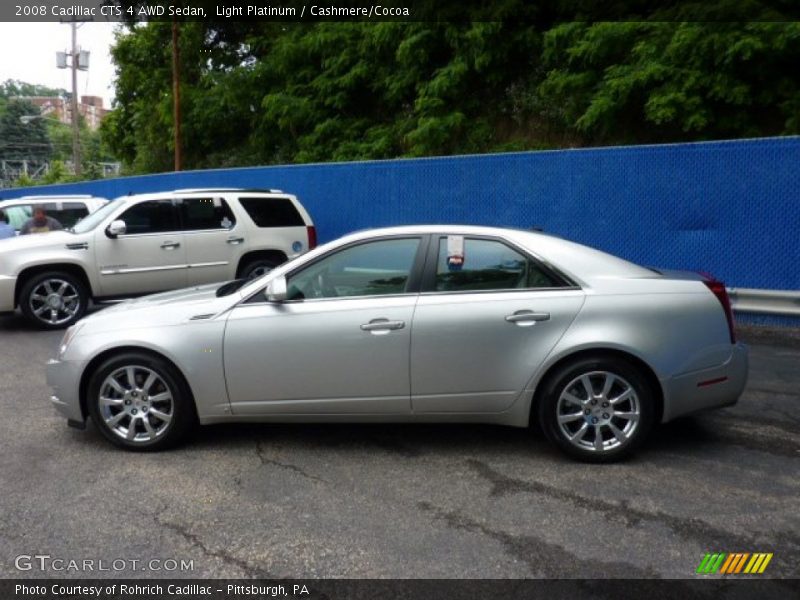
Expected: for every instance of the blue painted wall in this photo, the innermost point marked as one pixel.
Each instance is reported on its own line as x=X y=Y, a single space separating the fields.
x=729 y=208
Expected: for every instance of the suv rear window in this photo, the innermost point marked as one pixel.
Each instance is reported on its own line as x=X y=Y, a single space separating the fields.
x=272 y=212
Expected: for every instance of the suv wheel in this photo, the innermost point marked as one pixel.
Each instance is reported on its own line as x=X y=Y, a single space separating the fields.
x=597 y=409
x=258 y=267
x=139 y=402
x=54 y=300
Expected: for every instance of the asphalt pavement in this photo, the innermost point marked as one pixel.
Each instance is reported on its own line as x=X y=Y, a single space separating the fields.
x=396 y=501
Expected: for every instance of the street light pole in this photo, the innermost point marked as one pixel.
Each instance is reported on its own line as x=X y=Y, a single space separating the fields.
x=76 y=144
x=176 y=94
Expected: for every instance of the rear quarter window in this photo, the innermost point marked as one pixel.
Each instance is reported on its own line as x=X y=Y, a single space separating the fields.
x=272 y=212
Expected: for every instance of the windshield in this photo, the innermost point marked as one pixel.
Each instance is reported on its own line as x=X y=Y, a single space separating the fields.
x=91 y=221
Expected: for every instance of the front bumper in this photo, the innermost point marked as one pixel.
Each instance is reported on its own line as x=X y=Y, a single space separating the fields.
x=7 y=285
x=706 y=389
x=64 y=378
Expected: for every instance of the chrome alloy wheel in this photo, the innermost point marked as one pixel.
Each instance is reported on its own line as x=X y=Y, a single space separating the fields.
x=54 y=301
x=598 y=411
x=136 y=403
x=259 y=271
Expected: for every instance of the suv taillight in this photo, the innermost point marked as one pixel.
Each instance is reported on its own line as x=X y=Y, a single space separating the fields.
x=718 y=289
x=312 y=237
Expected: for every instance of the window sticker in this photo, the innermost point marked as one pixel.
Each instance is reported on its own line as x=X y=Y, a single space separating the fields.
x=455 y=252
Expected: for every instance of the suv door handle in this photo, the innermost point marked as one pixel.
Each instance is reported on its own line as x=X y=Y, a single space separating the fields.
x=382 y=326
x=235 y=240
x=526 y=318
x=170 y=245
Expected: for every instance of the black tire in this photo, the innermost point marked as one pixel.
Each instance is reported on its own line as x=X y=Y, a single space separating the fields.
x=258 y=267
x=569 y=381
x=34 y=299
x=180 y=410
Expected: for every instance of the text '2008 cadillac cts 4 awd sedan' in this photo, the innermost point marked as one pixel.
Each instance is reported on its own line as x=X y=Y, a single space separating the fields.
x=414 y=324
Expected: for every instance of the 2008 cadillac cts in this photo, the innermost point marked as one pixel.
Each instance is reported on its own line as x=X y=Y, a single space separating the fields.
x=413 y=324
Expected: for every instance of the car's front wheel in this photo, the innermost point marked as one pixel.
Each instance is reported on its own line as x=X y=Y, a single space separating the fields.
x=140 y=402
x=597 y=409
x=53 y=300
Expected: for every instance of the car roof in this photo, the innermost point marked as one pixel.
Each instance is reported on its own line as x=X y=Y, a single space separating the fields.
x=576 y=260
x=43 y=199
x=162 y=193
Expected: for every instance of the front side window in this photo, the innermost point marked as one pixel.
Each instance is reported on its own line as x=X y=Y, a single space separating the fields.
x=372 y=269
x=205 y=213
x=68 y=213
x=481 y=265
x=151 y=216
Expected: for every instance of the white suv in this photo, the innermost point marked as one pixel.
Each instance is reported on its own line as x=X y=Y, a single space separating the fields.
x=149 y=243
x=66 y=209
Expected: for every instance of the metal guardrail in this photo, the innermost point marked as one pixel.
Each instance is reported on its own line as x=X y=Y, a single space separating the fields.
x=765 y=302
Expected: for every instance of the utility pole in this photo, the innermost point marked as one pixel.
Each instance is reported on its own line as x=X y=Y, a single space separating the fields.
x=176 y=94
x=76 y=142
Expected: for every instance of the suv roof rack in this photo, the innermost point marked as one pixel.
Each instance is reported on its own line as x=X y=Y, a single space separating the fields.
x=225 y=189
x=53 y=197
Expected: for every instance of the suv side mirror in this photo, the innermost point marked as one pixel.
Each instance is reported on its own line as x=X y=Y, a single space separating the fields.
x=276 y=290
x=116 y=228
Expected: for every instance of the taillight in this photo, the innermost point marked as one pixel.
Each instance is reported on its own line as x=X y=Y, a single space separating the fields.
x=718 y=289
x=312 y=237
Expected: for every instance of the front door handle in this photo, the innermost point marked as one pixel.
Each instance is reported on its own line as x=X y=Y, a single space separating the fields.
x=382 y=326
x=170 y=245
x=526 y=318
x=235 y=240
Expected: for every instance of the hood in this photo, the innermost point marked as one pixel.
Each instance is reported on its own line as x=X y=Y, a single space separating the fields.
x=39 y=240
x=168 y=308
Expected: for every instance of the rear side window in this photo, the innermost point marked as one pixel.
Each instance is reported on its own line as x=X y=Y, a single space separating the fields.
x=272 y=212
x=152 y=216
x=488 y=265
x=17 y=215
x=205 y=213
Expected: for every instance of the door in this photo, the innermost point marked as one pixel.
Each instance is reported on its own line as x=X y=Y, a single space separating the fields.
x=148 y=257
x=485 y=320
x=338 y=345
x=213 y=239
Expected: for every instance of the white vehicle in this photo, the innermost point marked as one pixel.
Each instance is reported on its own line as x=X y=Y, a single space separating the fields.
x=66 y=209
x=148 y=243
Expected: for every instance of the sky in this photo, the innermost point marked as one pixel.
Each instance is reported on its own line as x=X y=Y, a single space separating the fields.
x=33 y=47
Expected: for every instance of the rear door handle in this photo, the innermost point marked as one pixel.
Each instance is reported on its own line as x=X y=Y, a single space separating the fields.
x=235 y=240
x=526 y=318
x=382 y=326
x=170 y=245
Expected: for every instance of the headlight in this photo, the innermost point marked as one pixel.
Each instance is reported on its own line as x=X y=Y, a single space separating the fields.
x=68 y=337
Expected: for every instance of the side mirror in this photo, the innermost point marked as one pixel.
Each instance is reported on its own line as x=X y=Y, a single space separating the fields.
x=276 y=290
x=116 y=228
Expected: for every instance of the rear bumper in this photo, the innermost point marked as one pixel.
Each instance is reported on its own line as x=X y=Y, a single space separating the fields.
x=707 y=389
x=64 y=379
x=7 y=285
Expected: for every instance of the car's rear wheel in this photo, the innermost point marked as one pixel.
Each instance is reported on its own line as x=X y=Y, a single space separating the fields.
x=54 y=300
x=258 y=267
x=597 y=409
x=140 y=402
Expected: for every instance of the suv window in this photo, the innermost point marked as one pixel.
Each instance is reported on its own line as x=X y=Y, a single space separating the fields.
x=205 y=213
x=69 y=213
x=371 y=269
x=488 y=265
x=151 y=216
x=272 y=212
x=17 y=215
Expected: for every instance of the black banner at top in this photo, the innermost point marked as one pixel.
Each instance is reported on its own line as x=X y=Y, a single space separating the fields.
x=133 y=11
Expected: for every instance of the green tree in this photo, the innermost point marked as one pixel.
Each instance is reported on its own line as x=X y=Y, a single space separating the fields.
x=23 y=141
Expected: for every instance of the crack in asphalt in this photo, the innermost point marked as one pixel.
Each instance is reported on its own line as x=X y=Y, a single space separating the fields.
x=265 y=460
x=688 y=528
x=541 y=557
x=223 y=555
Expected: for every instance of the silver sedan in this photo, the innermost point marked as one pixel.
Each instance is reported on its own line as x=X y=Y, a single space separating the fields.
x=414 y=324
